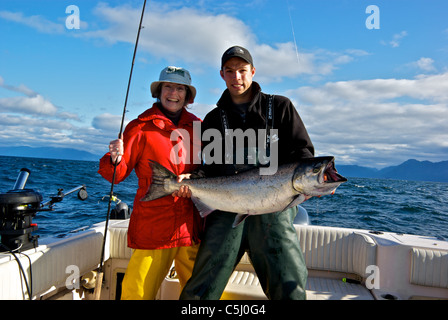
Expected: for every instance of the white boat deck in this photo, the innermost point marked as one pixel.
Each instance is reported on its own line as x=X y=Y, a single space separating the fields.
x=376 y=266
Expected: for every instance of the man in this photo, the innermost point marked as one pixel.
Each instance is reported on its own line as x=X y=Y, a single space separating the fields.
x=269 y=239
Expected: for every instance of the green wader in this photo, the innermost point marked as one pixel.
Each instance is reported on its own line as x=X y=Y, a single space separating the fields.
x=273 y=247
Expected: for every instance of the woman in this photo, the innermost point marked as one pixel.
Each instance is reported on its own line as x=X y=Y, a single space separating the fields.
x=168 y=228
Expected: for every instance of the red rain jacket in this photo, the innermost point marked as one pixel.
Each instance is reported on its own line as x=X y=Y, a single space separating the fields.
x=167 y=222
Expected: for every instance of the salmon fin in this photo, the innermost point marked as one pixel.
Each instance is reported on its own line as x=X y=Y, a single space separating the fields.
x=204 y=210
x=238 y=219
x=295 y=202
x=156 y=189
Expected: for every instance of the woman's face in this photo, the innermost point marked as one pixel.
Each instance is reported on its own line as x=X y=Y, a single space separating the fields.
x=173 y=96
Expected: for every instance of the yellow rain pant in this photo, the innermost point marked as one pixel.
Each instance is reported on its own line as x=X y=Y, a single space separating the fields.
x=147 y=269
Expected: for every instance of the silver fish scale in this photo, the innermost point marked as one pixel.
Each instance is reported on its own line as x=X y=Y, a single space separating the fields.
x=250 y=193
x=246 y=193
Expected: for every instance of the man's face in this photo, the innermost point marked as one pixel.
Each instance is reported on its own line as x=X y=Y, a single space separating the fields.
x=238 y=75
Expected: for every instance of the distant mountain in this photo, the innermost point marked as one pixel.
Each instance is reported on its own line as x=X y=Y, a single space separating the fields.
x=357 y=171
x=409 y=170
x=417 y=170
x=49 y=153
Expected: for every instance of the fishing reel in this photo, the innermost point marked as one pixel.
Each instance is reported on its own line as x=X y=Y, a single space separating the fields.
x=18 y=207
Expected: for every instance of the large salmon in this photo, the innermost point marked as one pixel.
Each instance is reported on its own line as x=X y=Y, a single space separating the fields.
x=250 y=193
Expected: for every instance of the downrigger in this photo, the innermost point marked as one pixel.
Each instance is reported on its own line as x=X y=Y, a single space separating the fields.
x=19 y=206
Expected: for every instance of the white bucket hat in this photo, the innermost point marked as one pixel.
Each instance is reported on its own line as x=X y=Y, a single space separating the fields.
x=174 y=75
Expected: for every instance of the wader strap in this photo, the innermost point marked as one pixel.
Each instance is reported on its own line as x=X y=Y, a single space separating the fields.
x=269 y=124
x=227 y=137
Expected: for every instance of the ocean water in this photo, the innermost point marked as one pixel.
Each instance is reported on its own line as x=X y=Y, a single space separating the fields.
x=413 y=207
x=48 y=176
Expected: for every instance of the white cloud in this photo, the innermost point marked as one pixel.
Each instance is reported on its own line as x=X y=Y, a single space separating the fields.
x=33 y=131
x=425 y=64
x=423 y=87
x=107 y=122
x=199 y=38
x=173 y=33
x=20 y=89
x=32 y=103
x=35 y=105
x=365 y=122
x=200 y=109
x=27 y=130
x=33 y=122
x=396 y=39
x=274 y=63
x=196 y=37
x=31 y=119
x=37 y=22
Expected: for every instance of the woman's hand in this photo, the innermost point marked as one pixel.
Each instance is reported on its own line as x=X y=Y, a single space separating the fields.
x=116 y=149
x=184 y=191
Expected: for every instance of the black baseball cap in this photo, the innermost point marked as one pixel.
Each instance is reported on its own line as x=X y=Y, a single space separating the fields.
x=236 y=52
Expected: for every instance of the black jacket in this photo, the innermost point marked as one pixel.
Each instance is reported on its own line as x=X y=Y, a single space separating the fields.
x=293 y=140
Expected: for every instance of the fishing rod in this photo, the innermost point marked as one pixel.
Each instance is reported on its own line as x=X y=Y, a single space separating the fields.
x=99 y=280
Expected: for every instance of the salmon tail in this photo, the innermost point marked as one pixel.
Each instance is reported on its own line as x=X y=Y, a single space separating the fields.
x=156 y=189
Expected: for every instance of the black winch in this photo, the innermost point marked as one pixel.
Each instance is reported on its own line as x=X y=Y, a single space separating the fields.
x=18 y=207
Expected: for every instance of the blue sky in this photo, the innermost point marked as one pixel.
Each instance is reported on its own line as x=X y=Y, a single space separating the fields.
x=372 y=97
